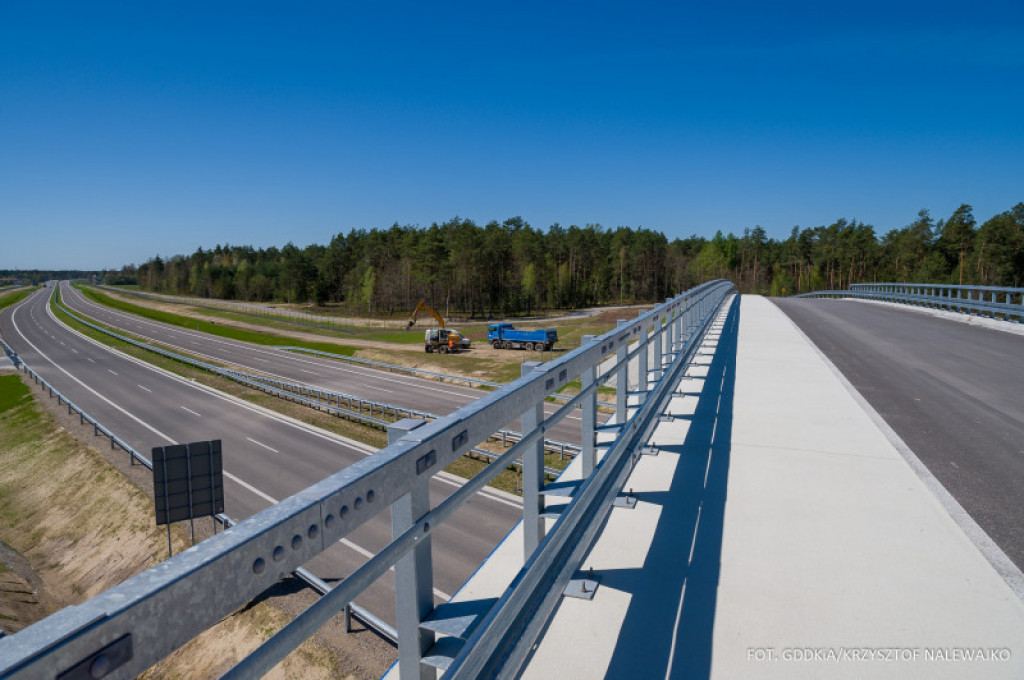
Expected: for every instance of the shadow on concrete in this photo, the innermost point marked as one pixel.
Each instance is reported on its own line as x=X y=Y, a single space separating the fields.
x=668 y=628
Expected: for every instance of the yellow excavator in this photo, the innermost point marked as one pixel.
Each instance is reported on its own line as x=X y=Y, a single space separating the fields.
x=439 y=339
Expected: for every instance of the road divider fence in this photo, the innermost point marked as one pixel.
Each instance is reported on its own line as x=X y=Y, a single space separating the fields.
x=1001 y=303
x=366 y=411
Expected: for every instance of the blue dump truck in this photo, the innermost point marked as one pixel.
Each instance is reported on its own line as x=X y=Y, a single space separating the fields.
x=505 y=336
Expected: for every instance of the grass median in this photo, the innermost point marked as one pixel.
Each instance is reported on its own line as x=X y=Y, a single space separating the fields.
x=212 y=328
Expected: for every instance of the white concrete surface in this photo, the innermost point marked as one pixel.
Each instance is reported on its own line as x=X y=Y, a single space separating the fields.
x=779 y=534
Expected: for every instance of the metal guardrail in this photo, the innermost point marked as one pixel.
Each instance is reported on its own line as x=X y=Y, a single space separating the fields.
x=366 y=617
x=265 y=311
x=304 y=319
x=154 y=613
x=391 y=368
x=327 y=401
x=963 y=299
x=83 y=417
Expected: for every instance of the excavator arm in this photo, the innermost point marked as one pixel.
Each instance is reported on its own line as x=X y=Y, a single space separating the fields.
x=423 y=306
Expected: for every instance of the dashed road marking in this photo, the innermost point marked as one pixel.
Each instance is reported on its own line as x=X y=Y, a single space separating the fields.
x=268 y=448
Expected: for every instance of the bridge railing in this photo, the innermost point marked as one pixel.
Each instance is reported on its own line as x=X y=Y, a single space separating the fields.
x=125 y=630
x=995 y=301
x=366 y=617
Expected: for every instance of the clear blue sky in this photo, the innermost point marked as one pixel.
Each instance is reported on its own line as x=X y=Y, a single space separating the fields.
x=137 y=128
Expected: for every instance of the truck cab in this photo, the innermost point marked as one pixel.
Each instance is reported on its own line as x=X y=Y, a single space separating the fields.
x=442 y=340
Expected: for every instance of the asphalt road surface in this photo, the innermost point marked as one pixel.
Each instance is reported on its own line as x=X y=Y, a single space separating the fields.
x=266 y=457
x=953 y=392
x=316 y=372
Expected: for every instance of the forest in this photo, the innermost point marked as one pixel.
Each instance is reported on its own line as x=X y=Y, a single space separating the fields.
x=511 y=268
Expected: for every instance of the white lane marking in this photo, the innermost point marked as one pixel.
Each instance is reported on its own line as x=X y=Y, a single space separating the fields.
x=91 y=359
x=144 y=388
x=74 y=350
x=268 y=448
x=112 y=371
x=191 y=411
x=91 y=390
x=379 y=389
x=305 y=371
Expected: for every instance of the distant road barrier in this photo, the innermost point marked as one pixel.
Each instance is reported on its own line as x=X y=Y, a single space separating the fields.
x=994 y=301
x=242 y=308
x=83 y=417
x=156 y=612
x=326 y=401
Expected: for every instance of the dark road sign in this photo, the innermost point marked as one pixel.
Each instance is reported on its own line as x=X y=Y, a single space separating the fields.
x=188 y=481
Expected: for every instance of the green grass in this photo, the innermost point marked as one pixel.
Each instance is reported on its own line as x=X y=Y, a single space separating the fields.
x=15 y=297
x=13 y=392
x=213 y=329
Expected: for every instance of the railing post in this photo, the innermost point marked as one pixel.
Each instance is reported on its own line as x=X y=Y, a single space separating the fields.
x=641 y=359
x=621 y=377
x=414 y=577
x=533 y=473
x=669 y=330
x=588 y=417
x=681 y=324
x=659 y=357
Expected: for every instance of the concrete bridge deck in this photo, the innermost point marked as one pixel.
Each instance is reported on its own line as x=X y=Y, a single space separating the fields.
x=784 y=531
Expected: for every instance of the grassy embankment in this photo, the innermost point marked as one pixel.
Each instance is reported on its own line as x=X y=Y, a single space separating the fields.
x=222 y=331
x=8 y=299
x=84 y=528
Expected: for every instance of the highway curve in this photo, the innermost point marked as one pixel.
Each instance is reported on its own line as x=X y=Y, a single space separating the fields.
x=267 y=457
x=317 y=372
x=953 y=392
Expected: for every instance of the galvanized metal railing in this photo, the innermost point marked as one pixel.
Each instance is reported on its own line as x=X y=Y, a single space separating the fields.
x=157 y=611
x=1001 y=303
x=366 y=617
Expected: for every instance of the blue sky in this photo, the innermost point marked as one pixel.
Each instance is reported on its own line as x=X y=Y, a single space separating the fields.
x=132 y=129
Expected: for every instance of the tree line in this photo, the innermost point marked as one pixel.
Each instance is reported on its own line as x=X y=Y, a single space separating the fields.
x=512 y=268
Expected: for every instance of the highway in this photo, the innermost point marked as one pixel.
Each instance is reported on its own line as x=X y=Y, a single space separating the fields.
x=953 y=392
x=316 y=372
x=267 y=457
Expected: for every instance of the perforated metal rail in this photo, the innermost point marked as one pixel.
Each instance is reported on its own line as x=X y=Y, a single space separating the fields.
x=157 y=611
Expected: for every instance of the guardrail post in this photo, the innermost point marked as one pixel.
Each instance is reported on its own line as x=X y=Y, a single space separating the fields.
x=621 y=378
x=533 y=473
x=681 y=320
x=659 y=358
x=588 y=416
x=641 y=359
x=414 y=574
